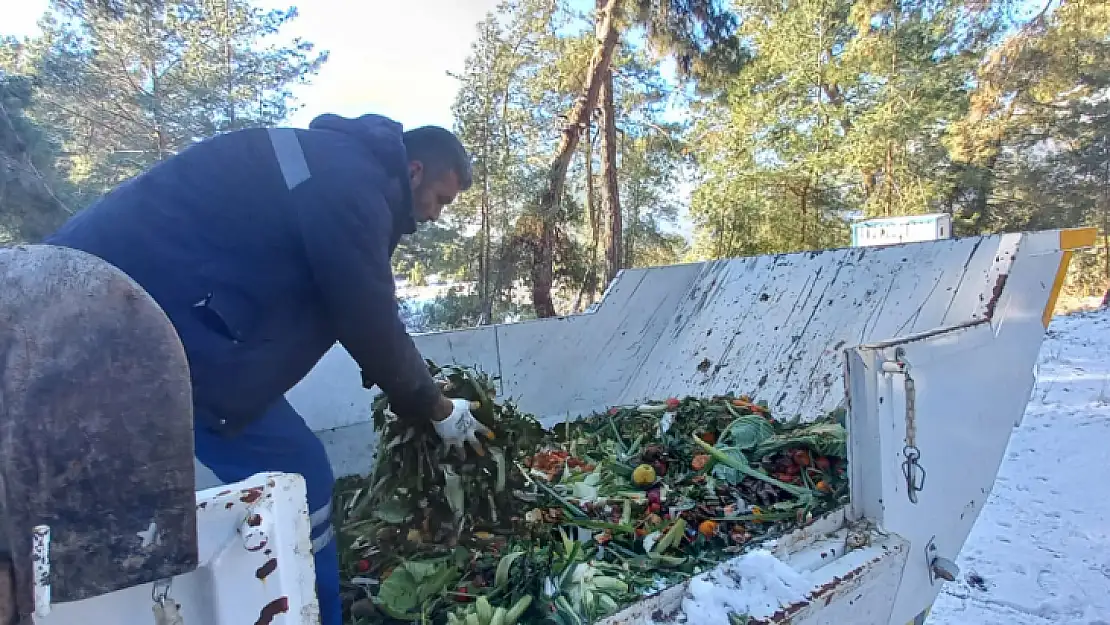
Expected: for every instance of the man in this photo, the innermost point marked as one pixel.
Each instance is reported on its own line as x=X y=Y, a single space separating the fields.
x=266 y=246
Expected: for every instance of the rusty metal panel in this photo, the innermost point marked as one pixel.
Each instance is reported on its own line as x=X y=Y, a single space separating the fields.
x=772 y=325
x=968 y=305
x=351 y=449
x=553 y=367
x=477 y=347
x=966 y=312
x=662 y=606
x=90 y=367
x=332 y=395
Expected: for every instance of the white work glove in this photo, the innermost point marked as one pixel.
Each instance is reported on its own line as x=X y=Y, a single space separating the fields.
x=460 y=427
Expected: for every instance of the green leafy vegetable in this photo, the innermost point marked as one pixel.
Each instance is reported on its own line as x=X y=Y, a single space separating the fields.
x=549 y=526
x=747 y=431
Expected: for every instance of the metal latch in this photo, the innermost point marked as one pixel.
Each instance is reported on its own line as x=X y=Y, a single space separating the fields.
x=912 y=470
x=939 y=567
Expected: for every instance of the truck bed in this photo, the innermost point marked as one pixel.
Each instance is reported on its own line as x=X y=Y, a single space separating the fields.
x=930 y=347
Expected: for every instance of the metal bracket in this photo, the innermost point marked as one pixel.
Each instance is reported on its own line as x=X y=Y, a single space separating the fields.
x=939 y=567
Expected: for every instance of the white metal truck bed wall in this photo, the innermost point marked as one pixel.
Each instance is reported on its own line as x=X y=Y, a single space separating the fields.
x=770 y=326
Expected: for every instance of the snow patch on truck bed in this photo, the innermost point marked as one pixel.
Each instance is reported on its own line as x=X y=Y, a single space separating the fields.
x=746 y=585
x=1040 y=551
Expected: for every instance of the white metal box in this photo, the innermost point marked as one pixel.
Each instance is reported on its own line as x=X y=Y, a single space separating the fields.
x=907 y=229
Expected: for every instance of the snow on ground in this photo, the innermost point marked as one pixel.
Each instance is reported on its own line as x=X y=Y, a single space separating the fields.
x=1040 y=550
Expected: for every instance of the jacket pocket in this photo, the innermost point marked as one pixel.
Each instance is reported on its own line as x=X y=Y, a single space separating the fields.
x=224 y=316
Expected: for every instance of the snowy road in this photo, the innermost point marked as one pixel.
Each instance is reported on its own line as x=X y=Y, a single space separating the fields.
x=1040 y=550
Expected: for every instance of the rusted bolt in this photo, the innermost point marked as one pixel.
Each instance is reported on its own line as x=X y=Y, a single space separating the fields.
x=255 y=532
x=251 y=495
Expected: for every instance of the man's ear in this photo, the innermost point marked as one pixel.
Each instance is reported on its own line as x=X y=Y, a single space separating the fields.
x=416 y=173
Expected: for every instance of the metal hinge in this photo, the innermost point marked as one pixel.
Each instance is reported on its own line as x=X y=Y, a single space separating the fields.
x=166 y=610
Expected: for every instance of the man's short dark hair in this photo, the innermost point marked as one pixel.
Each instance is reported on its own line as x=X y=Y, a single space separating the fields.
x=439 y=150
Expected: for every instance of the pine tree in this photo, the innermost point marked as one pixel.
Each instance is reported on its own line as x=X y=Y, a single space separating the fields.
x=126 y=85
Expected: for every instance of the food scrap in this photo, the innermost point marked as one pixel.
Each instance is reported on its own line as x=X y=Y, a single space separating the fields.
x=571 y=524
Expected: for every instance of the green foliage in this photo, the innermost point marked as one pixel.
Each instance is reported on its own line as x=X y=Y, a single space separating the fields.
x=790 y=119
x=825 y=111
x=413 y=583
x=31 y=195
x=527 y=66
x=121 y=87
x=839 y=111
x=897 y=107
x=700 y=35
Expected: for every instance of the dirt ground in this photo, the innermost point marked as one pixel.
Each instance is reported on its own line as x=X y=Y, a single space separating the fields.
x=1067 y=304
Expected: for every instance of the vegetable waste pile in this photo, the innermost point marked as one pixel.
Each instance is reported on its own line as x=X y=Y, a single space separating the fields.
x=572 y=524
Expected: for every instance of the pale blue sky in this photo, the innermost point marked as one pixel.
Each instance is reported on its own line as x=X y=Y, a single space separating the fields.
x=390 y=58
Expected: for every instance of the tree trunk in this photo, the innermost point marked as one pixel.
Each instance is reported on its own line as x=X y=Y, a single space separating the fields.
x=589 y=281
x=544 y=249
x=485 y=293
x=157 y=112
x=631 y=229
x=889 y=178
x=614 y=240
x=543 y=271
x=805 y=212
x=868 y=184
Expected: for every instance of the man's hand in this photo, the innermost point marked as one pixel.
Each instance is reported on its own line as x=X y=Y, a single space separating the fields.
x=459 y=426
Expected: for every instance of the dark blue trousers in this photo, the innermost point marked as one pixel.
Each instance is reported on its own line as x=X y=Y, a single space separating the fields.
x=281 y=441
